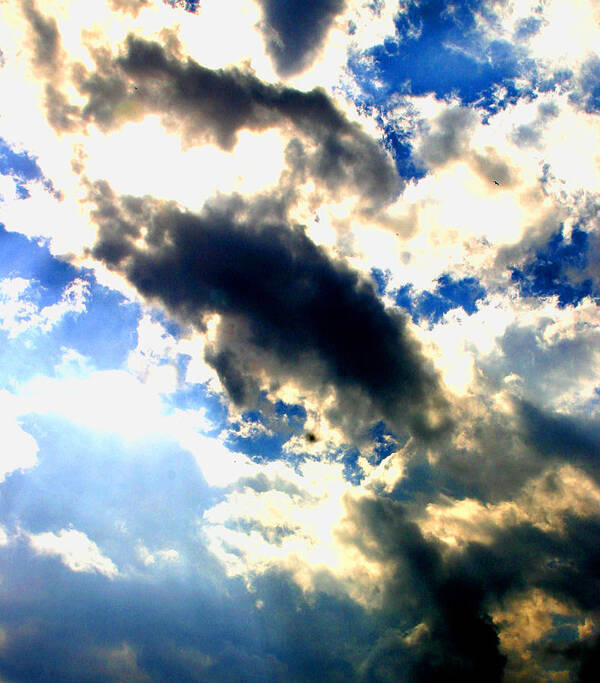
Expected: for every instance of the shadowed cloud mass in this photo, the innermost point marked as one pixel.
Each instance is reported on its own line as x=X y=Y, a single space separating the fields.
x=295 y=30
x=318 y=319
x=206 y=105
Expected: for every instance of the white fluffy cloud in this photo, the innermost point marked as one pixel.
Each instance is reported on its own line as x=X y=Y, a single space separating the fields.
x=76 y=551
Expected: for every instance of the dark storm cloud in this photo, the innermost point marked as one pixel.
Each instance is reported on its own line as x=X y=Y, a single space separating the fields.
x=453 y=637
x=587 y=654
x=46 y=39
x=437 y=605
x=295 y=30
x=206 y=105
x=571 y=439
x=317 y=320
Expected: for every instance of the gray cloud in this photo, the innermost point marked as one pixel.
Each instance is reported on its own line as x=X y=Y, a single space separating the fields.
x=562 y=437
x=547 y=370
x=437 y=605
x=490 y=166
x=291 y=310
x=295 y=30
x=450 y=138
x=206 y=105
x=47 y=52
x=61 y=114
x=529 y=135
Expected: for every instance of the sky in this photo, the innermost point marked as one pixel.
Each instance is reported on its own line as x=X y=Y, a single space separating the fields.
x=299 y=340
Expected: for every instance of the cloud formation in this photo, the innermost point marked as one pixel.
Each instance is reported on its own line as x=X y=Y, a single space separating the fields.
x=205 y=105
x=294 y=31
x=275 y=289
x=299 y=333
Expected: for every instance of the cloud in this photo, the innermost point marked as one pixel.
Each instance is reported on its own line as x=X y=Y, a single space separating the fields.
x=295 y=30
x=444 y=602
x=20 y=448
x=19 y=312
x=439 y=611
x=205 y=105
x=197 y=265
x=450 y=139
x=253 y=431
x=131 y=6
x=571 y=439
x=46 y=40
x=75 y=550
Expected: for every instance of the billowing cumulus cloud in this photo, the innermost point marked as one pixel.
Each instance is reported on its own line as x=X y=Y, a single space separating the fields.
x=206 y=105
x=299 y=341
x=273 y=287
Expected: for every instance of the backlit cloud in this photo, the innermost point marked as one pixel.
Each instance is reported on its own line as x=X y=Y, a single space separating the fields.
x=299 y=340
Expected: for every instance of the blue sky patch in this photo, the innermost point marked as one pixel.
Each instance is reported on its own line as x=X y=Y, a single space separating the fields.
x=261 y=444
x=23 y=168
x=23 y=257
x=293 y=413
x=448 y=294
x=105 y=332
x=385 y=443
x=587 y=96
x=381 y=280
x=440 y=49
x=398 y=143
x=553 y=271
x=353 y=472
x=191 y=6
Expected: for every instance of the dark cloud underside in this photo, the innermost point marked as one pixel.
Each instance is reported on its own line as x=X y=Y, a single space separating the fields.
x=206 y=105
x=293 y=302
x=572 y=439
x=453 y=638
x=295 y=30
x=438 y=604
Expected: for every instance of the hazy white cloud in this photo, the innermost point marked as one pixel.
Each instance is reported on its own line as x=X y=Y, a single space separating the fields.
x=20 y=449
x=76 y=551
